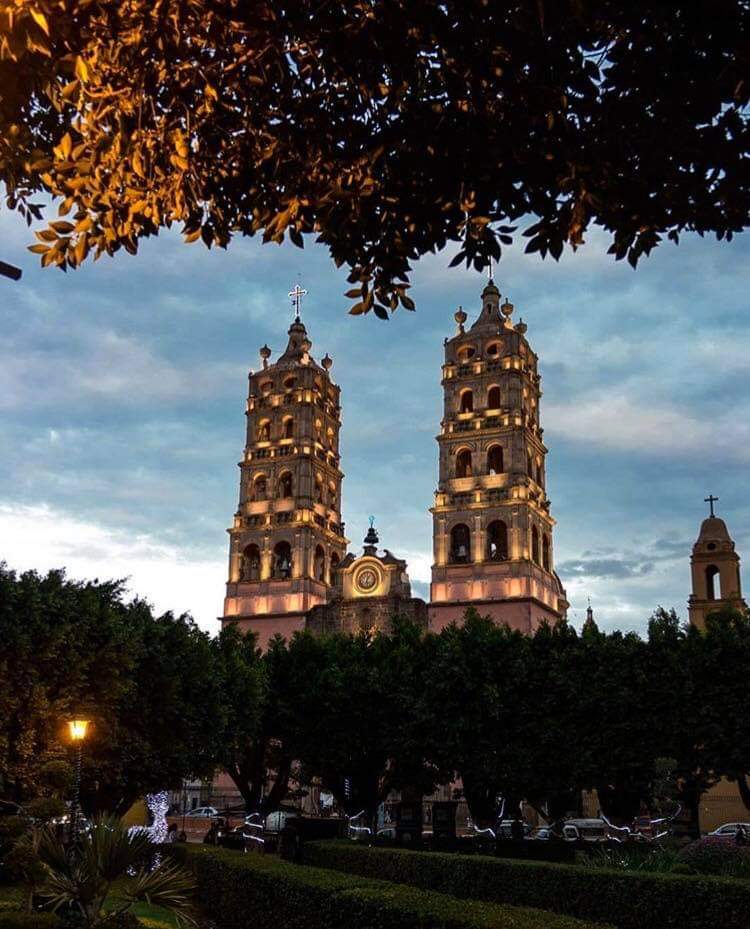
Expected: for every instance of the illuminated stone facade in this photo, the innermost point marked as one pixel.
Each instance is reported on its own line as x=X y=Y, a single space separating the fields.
x=287 y=537
x=492 y=528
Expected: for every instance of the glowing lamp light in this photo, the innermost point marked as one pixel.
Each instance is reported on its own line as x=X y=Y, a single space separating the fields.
x=78 y=729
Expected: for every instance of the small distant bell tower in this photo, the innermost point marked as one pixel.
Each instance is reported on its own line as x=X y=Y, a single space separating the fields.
x=715 y=570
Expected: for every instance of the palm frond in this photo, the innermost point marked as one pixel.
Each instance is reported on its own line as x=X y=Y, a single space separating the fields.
x=168 y=885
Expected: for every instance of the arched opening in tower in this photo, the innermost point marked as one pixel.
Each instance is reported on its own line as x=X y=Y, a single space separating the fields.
x=497 y=541
x=713 y=583
x=460 y=544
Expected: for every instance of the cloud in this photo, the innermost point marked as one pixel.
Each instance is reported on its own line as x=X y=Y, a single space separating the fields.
x=612 y=420
x=604 y=568
x=42 y=538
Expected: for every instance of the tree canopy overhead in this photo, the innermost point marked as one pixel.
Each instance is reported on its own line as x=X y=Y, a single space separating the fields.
x=386 y=128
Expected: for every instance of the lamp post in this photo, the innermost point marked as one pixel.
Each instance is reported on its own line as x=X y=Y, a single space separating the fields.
x=77 y=729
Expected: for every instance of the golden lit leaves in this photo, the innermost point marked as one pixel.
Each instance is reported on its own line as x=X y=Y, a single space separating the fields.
x=386 y=130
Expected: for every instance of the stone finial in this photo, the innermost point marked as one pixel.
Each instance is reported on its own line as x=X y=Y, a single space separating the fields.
x=265 y=354
x=507 y=309
x=371 y=539
x=327 y=362
x=521 y=326
x=460 y=318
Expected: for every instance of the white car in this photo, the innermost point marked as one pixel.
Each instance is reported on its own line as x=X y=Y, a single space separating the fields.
x=729 y=830
x=206 y=812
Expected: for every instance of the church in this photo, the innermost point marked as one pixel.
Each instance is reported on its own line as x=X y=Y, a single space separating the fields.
x=492 y=529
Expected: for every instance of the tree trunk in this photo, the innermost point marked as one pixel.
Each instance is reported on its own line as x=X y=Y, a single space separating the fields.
x=744 y=789
x=481 y=799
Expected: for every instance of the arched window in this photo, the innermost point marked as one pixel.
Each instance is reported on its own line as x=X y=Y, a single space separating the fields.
x=264 y=430
x=319 y=494
x=329 y=436
x=530 y=466
x=319 y=564
x=535 y=544
x=334 y=566
x=463 y=463
x=282 y=560
x=495 y=460
x=289 y=427
x=545 y=552
x=332 y=494
x=539 y=471
x=266 y=387
x=250 y=566
x=467 y=402
x=492 y=350
x=460 y=552
x=497 y=541
x=713 y=583
x=493 y=398
x=285 y=484
x=465 y=354
x=260 y=487
x=289 y=382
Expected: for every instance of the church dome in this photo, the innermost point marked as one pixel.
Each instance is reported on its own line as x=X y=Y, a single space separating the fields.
x=714 y=529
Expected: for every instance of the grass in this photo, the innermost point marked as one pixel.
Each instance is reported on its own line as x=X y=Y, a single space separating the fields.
x=11 y=897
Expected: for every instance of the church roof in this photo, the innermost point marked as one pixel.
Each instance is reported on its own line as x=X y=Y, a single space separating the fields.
x=714 y=529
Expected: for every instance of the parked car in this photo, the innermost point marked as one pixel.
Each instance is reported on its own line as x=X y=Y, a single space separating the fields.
x=586 y=830
x=206 y=812
x=729 y=830
x=505 y=829
x=540 y=834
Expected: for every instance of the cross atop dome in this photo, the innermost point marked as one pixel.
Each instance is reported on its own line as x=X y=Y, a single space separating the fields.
x=710 y=500
x=296 y=295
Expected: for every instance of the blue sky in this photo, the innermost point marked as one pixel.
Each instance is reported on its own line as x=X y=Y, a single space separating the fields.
x=122 y=391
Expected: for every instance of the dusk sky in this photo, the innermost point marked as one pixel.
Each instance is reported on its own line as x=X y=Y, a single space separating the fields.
x=123 y=386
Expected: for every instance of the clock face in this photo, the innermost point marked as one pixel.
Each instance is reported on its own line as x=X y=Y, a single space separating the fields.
x=367 y=579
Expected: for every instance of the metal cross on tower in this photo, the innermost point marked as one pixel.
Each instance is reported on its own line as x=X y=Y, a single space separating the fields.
x=297 y=294
x=710 y=500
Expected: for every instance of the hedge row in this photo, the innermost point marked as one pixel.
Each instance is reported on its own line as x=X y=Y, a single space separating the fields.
x=629 y=900
x=260 y=890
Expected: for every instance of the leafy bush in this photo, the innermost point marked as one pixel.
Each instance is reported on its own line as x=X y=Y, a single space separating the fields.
x=238 y=890
x=645 y=858
x=715 y=855
x=629 y=900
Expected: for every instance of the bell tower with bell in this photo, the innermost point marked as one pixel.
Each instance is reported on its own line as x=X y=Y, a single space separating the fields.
x=287 y=538
x=492 y=527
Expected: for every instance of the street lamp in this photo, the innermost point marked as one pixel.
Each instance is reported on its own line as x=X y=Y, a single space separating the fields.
x=77 y=729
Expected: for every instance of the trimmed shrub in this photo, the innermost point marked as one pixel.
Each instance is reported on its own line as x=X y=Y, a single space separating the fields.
x=13 y=919
x=239 y=890
x=630 y=901
x=716 y=855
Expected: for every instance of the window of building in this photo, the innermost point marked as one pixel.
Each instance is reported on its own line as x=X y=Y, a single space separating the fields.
x=545 y=553
x=465 y=353
x=535 y=545
x=319 y=490
x=264 y=430
x=319 y=564
x=495 y=460
x=260 y=488
x=467 y=402
x=497 y=541
x=250 y=565
x=282 y=560
x=289 y=382
x=713 y=583
x=330 y=437
x=530 y=466
x=285 y=484
x=266 y=387
x=493 y=398
x=460 y=552
x=334 y=565
x=289 y=427
x=463 y=463
x=493 y=350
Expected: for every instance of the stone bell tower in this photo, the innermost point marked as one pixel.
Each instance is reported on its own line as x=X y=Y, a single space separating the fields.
x=287 y=538
x=715 y=570
x=492 y=528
